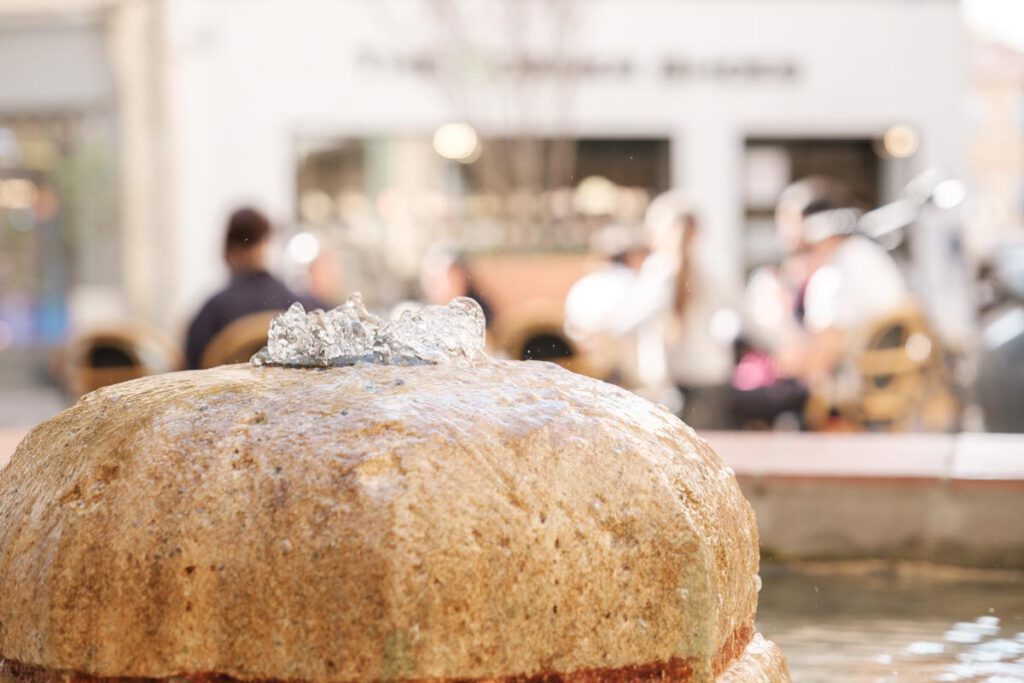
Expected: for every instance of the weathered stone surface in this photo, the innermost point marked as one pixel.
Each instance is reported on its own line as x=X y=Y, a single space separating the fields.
x=492 y=520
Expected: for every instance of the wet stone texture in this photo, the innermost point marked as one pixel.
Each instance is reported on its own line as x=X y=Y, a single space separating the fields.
x=411 y=511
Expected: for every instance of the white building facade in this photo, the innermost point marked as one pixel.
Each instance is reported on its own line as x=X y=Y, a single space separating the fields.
x=215 y=99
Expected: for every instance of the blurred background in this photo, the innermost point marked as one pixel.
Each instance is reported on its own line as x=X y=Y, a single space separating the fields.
x=775 y=217
x=524 y=142
x=517 y=147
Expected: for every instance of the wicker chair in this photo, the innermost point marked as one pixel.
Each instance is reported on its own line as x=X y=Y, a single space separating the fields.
x=237 y=342
x=534 y=331
x=109 y=355
x=903 y=381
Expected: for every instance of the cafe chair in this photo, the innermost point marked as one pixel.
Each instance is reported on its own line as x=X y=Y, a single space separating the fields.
x=903 y=382
x=238 y=341
x=535 y=331
x=117 y=353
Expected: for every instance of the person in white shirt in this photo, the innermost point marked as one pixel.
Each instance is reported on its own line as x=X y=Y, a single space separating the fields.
x=837 y=284
x=594 y=301
x=854 y=282
x=671 y=308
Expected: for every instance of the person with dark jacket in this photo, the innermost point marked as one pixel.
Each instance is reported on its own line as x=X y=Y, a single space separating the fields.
x=252 y=288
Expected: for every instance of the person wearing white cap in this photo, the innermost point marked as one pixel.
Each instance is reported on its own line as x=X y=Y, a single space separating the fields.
x=853 y=283
x=841 y=283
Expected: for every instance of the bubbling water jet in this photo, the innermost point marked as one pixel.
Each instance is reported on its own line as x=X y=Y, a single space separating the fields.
x=350 y=334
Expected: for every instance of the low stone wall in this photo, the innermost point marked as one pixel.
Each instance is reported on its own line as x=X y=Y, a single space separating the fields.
x=955 y=499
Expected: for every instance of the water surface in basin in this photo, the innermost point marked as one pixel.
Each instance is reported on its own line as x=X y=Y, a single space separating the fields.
x=872 y=622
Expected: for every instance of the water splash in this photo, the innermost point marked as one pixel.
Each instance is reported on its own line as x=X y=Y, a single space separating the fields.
x=350 y=334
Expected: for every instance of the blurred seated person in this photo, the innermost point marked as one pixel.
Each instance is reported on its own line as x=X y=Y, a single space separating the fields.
x=445 y=274
x=835 y=282
x=251 y=289
x=594 y=301
x=670 y=307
